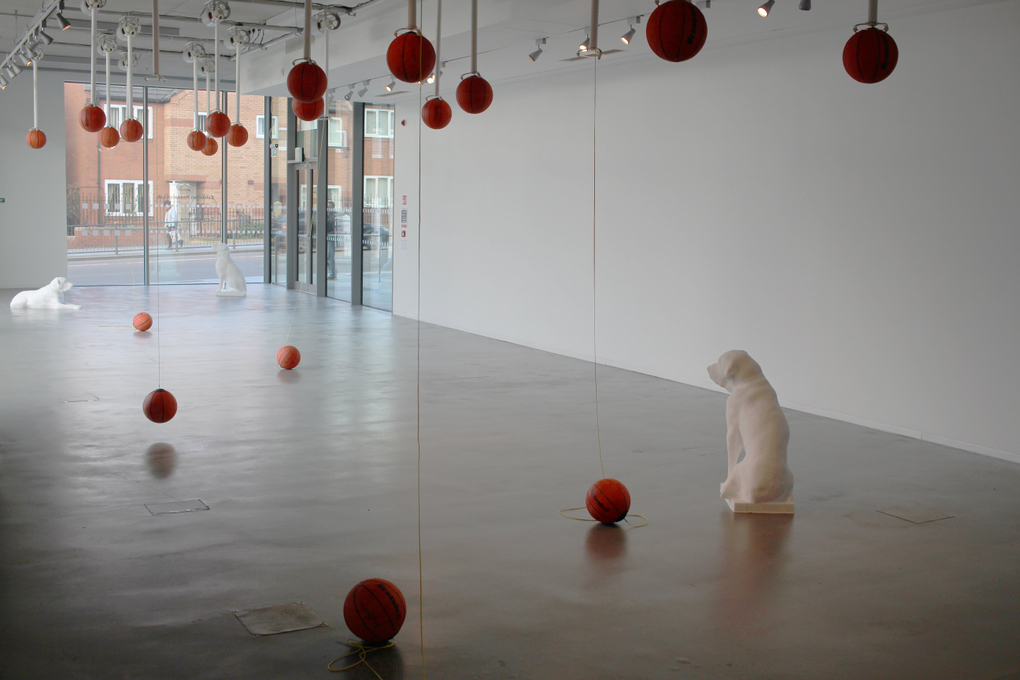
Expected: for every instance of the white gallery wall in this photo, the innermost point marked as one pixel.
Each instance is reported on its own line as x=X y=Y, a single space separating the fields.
x=33 y=222
x=860 y=241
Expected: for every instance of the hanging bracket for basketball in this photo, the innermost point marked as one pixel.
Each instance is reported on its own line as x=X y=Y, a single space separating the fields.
x=870 y=56
x=130 y=130
x=237 y=39
x=193 y=54
x=436 y=113
x=306 y=81
x=217 y=123
x=591 y=48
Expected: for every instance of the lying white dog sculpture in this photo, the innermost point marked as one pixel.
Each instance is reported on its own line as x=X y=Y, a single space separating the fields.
x=232 y=283
x=755 y=423
x=50 y=296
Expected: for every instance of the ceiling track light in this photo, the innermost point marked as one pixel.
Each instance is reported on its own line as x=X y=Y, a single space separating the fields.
x=766 y=8
x=704 y=4
x=537 y=53
x=350 y=93
x=21 y=59
x=62 y=22
x=4 y=82
x=391 y=85
x=15 y=68
x=364 y=89
x=583 y=47
x=805 y=5
x=629 y=35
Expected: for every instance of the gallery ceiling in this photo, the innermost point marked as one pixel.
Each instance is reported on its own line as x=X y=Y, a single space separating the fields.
x=508 y=30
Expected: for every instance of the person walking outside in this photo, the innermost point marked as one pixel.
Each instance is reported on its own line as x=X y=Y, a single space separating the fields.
x=170 y=222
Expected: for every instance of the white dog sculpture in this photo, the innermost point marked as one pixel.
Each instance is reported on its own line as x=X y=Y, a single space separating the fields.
x=232 y=283
x=50 y=296
x=755 y=423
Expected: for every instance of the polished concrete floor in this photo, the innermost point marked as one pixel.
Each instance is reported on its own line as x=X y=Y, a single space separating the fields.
x=310 y=478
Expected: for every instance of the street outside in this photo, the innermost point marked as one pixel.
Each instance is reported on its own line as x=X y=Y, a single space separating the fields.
x=175 y=266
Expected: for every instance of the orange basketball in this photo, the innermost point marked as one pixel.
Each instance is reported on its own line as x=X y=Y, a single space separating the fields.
x=211 y=147
x=608 y=501
x=196 y=140
x=143 y=321
x=288 y=357
x=374 y=610
x=159 y=406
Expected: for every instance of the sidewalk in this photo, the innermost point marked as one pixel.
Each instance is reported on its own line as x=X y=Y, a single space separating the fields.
x=128 y=253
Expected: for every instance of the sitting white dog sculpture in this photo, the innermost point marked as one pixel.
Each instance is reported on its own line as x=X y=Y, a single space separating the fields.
x=755 y=423
x=50 y=296
x=232 y=283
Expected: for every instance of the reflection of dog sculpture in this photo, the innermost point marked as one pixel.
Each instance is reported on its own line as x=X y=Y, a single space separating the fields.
x=756 y=424
x=232 y=283
x=50 y=296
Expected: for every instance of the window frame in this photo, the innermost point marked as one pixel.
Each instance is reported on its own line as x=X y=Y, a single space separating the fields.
x=274 y=127
x=120 y=184
x=390 y=114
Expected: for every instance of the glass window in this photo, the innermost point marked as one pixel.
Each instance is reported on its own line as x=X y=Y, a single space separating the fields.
x=116 y=115
x=337 y=134
x=379 y=123
x=125 y=197
x=260 y=128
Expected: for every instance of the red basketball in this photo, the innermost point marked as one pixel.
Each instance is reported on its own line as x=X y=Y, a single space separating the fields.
x=109 y=137
x=142 y=321
x=608 y=500
x=211 y=147
x=474 y=94
x=870 y=55
x=306 y=82
x=374 y=610
x=217 y=124
x=36 y=138
x=131 y=130
x=411 y=57
x=159 y=406
x=237 y=136
x=92 y=118
x=288 y=357
x=676 y=30
x=308 y=111
x=196 y=140
x=436 y=113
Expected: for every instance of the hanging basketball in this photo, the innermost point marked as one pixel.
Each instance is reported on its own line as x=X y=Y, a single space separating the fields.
x=217 y=124
x=196 y=140
x=306 y=82
x=159 y=406
x=237 y=135
x=374 y=610
x=474 y=94
x=131 y=130
x=109 y=137
x=676 y=30
x=411 y=57
x=288 y=357
x=142 y=321
x=36 y=138
x=92 y=118
x=436 y=113
x=308 y=111
x=211 y=147
x=608 y=501
x=870 y=55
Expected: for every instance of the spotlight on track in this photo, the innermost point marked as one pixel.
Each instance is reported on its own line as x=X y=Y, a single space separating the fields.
x=538 y=52
x=23 y=60
x=10 y=72
x=583 y=47
x=350 y=93
x=4 y=82
x=62 y=22
x=44 y=38
x=805 y=5
x=629 y=35
x=364 y=89
x=766 y=8
x=704 y=4
x=392 y=84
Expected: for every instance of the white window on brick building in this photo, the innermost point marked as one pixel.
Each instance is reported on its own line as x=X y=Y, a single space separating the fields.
x=260 y=128
x=378 y=191
x=126 y=197
x=379 y=123
x=337 y=134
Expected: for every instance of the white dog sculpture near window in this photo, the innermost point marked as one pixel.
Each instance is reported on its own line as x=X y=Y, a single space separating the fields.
x=754 y=423
x=232 y=283
x=50 y=296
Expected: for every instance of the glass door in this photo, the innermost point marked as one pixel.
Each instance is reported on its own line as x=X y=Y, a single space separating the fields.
x=308 y=197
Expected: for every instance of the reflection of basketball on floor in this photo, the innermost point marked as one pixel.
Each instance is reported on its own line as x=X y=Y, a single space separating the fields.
x=288 y=357
x=608 y=501
x=374 y=610
x=142 y=321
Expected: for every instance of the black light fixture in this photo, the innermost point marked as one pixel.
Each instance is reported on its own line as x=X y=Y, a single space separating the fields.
x=766 y=8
